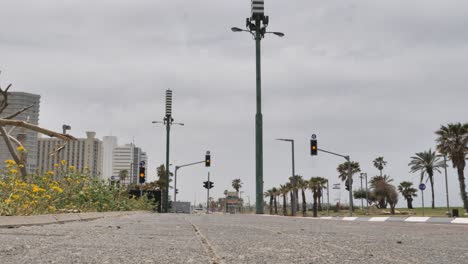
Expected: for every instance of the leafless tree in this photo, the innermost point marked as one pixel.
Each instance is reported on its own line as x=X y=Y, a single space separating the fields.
x=11 y=141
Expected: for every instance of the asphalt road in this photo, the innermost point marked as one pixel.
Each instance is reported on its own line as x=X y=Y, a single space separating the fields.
x=152 y=238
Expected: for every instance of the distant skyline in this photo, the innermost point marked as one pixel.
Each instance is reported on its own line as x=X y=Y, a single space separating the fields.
x=370 y=78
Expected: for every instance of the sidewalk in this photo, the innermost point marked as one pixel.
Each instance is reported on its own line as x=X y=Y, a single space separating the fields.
x=17 y=221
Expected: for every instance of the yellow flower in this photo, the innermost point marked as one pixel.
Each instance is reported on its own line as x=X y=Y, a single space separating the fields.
x=50 y=173
x=64 y=162
x=48 y=196
x=21 y=166
x=57 y=189
x=7 y=201
x=20 y=149
x=10 y=162
x=37 y=188
x=72 y=168
x=14 y=196
x=86 y=168
x=13 y=171
x=56 y=165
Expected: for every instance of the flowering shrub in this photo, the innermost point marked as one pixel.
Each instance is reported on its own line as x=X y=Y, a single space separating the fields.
x=72 y=191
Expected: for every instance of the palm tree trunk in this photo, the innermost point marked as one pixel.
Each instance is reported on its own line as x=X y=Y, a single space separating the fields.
x=285 y=213
x=320 y=200
x=276 y=205
x=409 y=200
x=431 y=179
x=461 y=179
x=271 y=204
x=291 y=194
x=315 y=204
x=304 y=204
x=297 y=200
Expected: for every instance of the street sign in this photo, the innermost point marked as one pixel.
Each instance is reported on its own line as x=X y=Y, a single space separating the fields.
x=336 y=186
x=422 y=186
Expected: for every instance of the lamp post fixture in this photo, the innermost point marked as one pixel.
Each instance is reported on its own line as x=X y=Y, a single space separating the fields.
x=294 y=200
x=168 y=121
x=256 y=25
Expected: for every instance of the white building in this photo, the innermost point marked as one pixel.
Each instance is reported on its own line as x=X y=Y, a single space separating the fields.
x=16 y=102
x=109 y=143
x=127 y=158
x=82 y=153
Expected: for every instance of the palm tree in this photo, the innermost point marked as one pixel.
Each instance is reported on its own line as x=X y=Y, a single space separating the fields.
x=426 y=162
x=237 y=184
x=294 y=182
x=269 y=193
x=323 y=183
x=123 y=174
x=276 y=193
x=343 y=170
x=380 y=163
x=406 y=189
x=315 y=184
x=303 y=185
x=452 y=141
x=284 y=190
x=380 y=193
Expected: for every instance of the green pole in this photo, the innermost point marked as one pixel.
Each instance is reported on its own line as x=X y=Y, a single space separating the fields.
x=258 y=124
x=166 y=194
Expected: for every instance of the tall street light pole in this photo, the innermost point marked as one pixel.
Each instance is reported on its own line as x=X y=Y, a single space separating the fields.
x=168 y=121
x=256 y=25
x=294 y=184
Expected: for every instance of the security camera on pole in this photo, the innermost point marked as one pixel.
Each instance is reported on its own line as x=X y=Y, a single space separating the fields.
x=256 y=25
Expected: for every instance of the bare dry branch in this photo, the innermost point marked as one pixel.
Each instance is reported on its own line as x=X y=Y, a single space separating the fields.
x=50 y=133
x=13 y=153
x=16 y=141
x=18 y=113
x=57 y=150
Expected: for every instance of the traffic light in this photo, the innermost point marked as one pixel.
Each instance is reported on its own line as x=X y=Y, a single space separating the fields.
x=142 y=175
x=208 y=184
x=176 y=191
x=207 y=160
x=313 y=147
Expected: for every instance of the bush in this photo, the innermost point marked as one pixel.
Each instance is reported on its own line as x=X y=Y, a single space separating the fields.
x=72 y=192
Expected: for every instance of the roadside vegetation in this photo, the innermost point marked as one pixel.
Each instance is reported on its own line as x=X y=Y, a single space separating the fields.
x=65 y=191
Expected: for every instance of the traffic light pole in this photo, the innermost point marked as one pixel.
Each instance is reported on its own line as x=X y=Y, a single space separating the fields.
x=208 y=195
x=350 y=175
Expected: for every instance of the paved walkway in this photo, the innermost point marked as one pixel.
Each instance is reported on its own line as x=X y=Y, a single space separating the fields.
x=169 y=238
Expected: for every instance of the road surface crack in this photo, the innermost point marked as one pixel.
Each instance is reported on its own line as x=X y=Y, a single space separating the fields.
x=215 y=259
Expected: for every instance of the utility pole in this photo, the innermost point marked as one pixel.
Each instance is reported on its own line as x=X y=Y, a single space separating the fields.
x=328 y=198
x=175 y=175
x=208 y=195
x=256 y=25
x=294 y=201
x=362 y=202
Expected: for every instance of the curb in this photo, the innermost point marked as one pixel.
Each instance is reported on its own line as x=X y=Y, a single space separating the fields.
x=377 y=219
x=34 y=220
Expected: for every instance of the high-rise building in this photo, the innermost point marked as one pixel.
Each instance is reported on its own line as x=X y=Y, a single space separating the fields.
x=108 y=145
x=84 y=153
x=16 y=102
x=126 y=161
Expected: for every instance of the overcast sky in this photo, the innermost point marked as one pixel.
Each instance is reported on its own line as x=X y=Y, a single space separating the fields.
x=370 y=78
